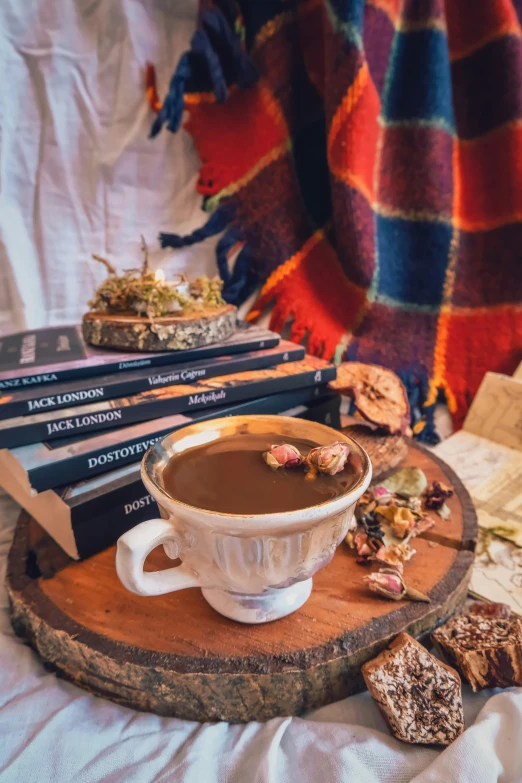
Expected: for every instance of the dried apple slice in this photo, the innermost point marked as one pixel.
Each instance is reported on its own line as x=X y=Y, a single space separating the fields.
x=378 y=393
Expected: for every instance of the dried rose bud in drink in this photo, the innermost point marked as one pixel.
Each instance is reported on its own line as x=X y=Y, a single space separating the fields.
x=329 y=459
x=283 y=456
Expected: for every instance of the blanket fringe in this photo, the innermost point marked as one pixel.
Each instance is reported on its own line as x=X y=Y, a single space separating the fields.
x=172 y=109
x=241 y=282
x=304 y=324
x=216 y=223
x=422 y=409
x=216 y=49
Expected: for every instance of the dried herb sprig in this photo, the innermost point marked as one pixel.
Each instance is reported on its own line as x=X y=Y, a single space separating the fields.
x=140 y=292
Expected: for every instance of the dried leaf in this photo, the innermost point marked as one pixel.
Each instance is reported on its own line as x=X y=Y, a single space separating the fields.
x=379 y=395
x=408 y=482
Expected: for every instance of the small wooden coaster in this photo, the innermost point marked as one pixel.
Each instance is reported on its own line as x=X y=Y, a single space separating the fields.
x=174 y=655
x=166 y=333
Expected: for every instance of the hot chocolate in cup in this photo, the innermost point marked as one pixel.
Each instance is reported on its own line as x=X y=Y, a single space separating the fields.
x=252 y=567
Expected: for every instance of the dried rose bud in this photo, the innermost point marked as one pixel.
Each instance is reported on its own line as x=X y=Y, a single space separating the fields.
x=283 y=456
x=389 y=583
x=329 y=459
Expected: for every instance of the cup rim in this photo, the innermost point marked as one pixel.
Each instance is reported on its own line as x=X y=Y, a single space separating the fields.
x=331 y=506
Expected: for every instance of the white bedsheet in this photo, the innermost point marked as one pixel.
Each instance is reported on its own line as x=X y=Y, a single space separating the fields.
x=52 y=732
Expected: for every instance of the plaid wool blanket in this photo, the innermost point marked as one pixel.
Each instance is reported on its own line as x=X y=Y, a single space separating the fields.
x=366 y=156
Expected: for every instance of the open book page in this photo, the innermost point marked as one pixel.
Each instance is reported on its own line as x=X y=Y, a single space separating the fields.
x=518 y=372
x=497 y=572
x=475 y=459
x=499 y=502
x=496 y=411
x=487 y=456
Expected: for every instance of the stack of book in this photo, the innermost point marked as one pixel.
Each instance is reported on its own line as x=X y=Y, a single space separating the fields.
x=75 y=421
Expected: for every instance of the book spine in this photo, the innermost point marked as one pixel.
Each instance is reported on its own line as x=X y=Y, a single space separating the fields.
x=326 y=412
x=98 y=523
x=83 y=466
x=174 y=357
x=25 y=434
x=105 y=391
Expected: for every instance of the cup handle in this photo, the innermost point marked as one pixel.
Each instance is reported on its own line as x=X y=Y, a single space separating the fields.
x=134 y=546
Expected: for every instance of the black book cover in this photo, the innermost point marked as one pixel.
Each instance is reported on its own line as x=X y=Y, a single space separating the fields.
x=54 y=396
x=59 y=353
x=105 y=507
x=165 y=401
x=45 y=465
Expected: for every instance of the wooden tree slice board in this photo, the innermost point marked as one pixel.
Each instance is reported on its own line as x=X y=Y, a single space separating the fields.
x=166 y=333
x=173 y=655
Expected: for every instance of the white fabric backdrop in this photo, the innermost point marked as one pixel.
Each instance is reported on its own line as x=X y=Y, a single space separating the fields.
x=78 y=175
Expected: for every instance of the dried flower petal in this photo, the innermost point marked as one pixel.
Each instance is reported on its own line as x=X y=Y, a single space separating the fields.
x=401 y=519
x=365 y=545
x=329 y=459
x=395 y=554
x=415 y=504
x=436 y=495
x=361 y=541
x=283 y=456
x=422 y=525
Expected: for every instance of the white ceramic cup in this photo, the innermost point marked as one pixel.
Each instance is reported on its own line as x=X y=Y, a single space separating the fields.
x=251 y=568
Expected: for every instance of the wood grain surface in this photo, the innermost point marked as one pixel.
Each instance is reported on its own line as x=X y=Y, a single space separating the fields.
x=174 y=655
x=165 y=333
